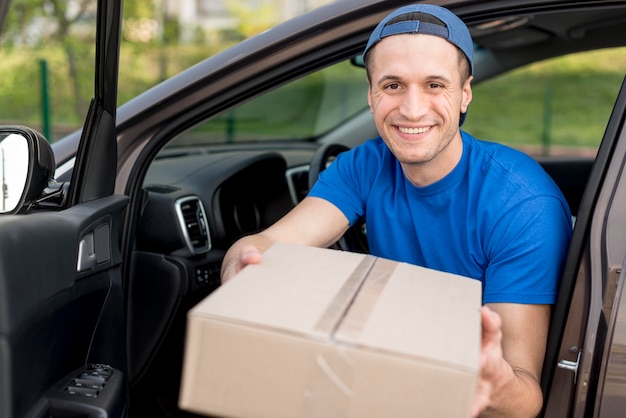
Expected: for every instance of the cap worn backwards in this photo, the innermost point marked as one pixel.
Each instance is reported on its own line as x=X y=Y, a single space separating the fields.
x=453 y=29
x=446 y=25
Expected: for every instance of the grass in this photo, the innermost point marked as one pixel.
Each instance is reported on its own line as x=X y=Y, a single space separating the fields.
x=21 y=81
x=566 y=101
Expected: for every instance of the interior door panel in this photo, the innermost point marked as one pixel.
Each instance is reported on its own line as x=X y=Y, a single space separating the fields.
x=54 y=319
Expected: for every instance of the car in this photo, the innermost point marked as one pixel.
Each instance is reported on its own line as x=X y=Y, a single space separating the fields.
x=118 y=229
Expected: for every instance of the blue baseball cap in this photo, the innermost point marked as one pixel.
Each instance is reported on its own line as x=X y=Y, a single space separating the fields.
x=452 y=28
x=446 y=25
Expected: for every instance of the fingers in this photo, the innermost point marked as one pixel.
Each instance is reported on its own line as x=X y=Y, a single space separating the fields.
x=490 y=359
x=481 y=398
x=491 y=320
x=249 y=255
x=491 y=329
x=491 y=345
x=233 y=264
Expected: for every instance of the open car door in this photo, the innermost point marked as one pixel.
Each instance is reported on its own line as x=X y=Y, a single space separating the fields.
x=62 y=339
x=583 y=370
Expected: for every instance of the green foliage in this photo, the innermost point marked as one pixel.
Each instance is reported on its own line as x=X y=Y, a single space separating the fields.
x=510 y=109
x=566 y=101
x=252 y=20
x=20 y=16
x=301 y=110
x=137 y=9
x=48 y=30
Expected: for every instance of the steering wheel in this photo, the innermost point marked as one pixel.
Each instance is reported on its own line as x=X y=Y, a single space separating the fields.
x=322 y=159
x=355 y=238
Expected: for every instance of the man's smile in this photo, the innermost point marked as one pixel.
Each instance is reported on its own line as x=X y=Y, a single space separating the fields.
x=414 y=131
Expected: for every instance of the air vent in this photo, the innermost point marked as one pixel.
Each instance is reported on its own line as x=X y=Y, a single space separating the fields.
x=193 y=223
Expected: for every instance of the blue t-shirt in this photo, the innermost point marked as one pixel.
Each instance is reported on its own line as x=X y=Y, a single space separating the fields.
x=497 y=217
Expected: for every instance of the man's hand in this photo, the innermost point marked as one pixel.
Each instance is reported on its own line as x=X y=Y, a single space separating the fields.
x=238 y=258
x=313 y=222
x=510 y=363
x=491 y=360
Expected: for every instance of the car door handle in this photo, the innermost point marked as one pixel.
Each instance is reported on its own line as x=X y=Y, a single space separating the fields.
x=572 y=366
x=94 y=248
x=86 y=253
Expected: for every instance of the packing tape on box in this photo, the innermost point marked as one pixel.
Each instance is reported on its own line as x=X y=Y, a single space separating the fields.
x=365 y=301
x=335 y=312
x=333 y=370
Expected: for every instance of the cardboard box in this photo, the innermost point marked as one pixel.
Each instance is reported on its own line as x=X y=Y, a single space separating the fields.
x=322 y=333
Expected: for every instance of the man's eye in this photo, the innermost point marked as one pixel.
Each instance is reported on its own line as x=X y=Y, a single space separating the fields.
x=435 y=86
x=392 y=86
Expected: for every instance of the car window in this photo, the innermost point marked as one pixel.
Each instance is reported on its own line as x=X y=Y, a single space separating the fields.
x=301 y=110
x=555 y=107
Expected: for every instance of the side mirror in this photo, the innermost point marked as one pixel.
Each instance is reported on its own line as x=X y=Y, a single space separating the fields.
x=26 y=166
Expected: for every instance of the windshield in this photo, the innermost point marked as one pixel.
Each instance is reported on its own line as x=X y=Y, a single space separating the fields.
x=302 y=110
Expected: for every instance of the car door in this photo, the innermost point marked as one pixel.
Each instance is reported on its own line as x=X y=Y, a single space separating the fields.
x=62 y=339
x=583 y=372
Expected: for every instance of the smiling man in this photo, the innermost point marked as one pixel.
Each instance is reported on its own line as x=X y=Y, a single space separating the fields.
x=433 y=195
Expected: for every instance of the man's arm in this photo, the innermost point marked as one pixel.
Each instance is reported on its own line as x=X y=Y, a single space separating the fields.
x=512 y=352
x=314 y=222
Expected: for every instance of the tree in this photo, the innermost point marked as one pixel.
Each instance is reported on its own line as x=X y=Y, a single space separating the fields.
x=254 y=19
x=66 y=19
x=68 y=24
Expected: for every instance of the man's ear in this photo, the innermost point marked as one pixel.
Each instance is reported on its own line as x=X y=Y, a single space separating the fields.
x=369 y=97
x=467 y=94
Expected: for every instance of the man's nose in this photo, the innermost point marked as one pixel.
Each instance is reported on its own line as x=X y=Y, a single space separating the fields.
x=413 y=105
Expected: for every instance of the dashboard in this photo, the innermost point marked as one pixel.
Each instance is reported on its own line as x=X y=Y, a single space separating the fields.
x=196 y=203
x=236 y=193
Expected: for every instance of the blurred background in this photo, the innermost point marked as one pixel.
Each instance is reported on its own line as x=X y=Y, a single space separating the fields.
x=47 y=56
x=47 y=50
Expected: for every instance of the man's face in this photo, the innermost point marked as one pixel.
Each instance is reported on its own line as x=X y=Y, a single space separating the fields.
x=416 y=96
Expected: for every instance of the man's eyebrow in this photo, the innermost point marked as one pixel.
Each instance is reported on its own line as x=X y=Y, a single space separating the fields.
x=388 y=77
x=432 y=77
x=438 y=77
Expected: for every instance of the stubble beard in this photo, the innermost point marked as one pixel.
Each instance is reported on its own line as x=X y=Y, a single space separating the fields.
x=419 y=159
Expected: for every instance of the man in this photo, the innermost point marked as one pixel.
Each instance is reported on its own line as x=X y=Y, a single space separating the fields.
x=435 y=196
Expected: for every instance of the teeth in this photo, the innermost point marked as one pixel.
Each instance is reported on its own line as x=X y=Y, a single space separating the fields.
x=413 y=131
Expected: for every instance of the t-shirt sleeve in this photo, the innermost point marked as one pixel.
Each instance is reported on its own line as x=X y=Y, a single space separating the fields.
x=526 y=249
x=344 y=182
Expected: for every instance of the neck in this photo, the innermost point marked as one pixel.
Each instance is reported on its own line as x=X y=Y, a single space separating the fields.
x=426 y=173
